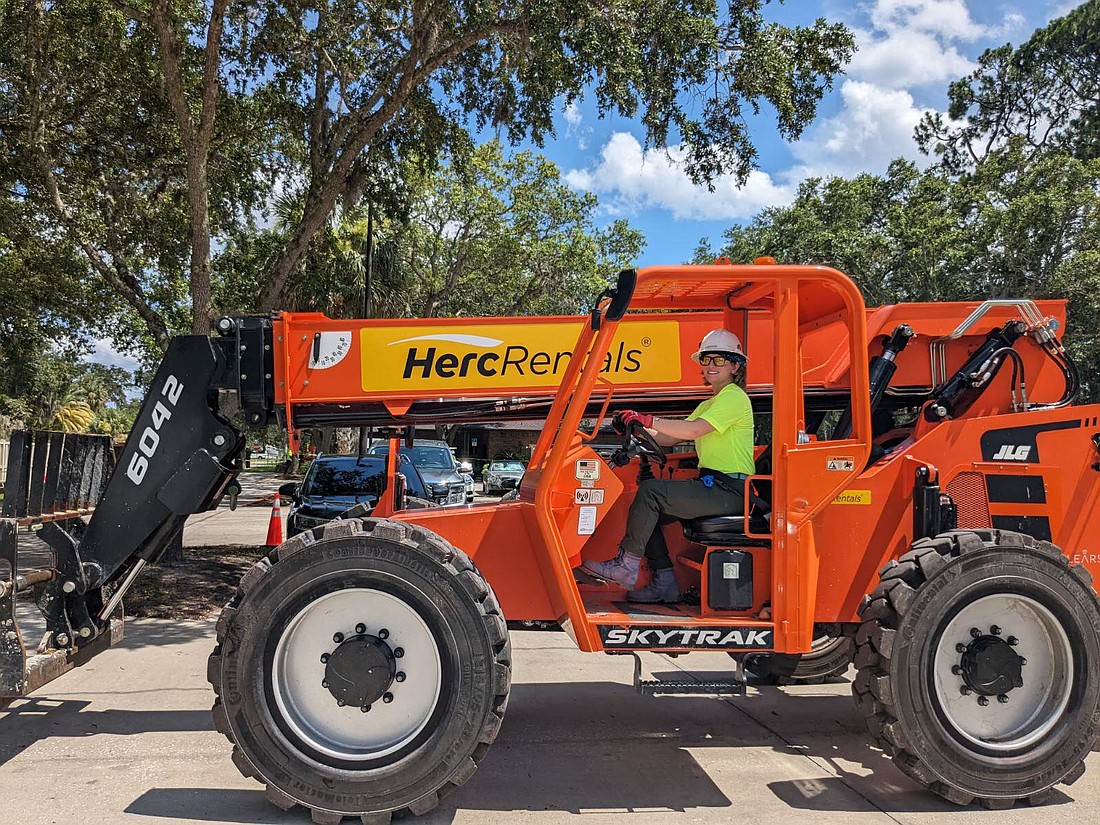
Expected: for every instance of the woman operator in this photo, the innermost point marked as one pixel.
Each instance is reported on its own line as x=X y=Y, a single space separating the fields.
x=722 y=428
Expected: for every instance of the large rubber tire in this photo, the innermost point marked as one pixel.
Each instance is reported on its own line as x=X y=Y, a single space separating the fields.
x=919 y=628
x=829 y=657
x=291 y=734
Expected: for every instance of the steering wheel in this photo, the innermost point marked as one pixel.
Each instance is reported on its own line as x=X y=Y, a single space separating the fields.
x=638 y=442
x=646 y=444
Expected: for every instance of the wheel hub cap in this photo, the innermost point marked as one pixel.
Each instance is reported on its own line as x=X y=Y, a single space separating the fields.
x=990 y=666
x=360 y=670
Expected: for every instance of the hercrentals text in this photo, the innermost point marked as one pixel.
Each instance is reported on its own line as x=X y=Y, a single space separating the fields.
x=515 y=360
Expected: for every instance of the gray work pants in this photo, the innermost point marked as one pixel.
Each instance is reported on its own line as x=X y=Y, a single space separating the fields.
x=684 y=499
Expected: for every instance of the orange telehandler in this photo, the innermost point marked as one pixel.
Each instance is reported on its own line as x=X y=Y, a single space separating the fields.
x=915 y=500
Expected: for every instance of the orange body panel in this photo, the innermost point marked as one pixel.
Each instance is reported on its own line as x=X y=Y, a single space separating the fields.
x=835 y=520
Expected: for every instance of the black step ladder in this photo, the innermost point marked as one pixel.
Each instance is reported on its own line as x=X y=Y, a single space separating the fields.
x=660 y=687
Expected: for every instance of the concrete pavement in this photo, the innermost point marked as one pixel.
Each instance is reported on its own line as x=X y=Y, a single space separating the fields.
x=128 y=739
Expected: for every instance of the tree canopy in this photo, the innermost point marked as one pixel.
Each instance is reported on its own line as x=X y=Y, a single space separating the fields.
x=149 y=134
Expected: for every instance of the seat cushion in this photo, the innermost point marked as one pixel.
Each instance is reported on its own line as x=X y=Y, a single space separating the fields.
x=721 y=530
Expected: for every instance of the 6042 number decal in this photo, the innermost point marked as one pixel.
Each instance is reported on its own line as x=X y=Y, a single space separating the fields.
x=150 y=437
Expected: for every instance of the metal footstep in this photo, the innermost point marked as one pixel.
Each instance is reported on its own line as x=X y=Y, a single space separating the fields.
x=661 y=687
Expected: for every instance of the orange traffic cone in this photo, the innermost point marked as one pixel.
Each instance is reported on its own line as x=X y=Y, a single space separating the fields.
x=275 y=526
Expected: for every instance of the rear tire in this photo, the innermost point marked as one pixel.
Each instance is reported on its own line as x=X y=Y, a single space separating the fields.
x=979 y=666
x=444 y=660
x=829 y=657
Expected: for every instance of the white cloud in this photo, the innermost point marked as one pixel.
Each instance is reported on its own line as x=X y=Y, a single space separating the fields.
x=572 y=114
x=573 y=119
x=636 y=178
x=875 y=126
x=103 y=352
x=911 y=43
x=906 y=58
x=949 y=19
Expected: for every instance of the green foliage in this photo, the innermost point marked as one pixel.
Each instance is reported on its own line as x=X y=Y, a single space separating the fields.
x=136 y=133
x=498 y=235
x=1046 y=93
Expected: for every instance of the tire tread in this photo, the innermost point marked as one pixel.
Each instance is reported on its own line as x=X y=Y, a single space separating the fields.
x=458 y=565
x=881 y=613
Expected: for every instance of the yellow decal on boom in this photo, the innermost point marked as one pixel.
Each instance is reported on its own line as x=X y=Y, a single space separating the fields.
x=853 y=497
x=450 y=356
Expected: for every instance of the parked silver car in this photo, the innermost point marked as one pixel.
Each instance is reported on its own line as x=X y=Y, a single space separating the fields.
x=502 y=476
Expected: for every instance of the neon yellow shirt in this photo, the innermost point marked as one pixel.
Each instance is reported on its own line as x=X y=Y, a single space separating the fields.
x=729 y=447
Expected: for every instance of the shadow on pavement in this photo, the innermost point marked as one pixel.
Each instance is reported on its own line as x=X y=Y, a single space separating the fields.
x=829 y=794
x=156 y=632
x=213 y=805
x=598 y=747
x=32 y=719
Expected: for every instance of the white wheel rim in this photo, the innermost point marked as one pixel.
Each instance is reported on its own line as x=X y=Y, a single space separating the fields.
x=311 y=711
x=1032 y=710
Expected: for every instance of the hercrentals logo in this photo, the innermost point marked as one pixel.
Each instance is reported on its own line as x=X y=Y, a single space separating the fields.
x=517 y=355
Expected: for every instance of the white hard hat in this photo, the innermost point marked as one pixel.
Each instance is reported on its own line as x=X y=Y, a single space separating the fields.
x=721 y=341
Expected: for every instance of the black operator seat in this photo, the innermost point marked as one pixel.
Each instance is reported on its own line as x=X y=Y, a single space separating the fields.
x=723 y=530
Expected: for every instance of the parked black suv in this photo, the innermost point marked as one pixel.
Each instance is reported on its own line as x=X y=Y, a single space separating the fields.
x=437 y=466
x=334 y=483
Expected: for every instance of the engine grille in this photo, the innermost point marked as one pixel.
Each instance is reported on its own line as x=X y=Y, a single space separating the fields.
x=969 y=493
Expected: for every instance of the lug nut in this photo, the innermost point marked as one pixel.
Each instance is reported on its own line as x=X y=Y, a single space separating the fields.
x=964 y=690
x=960 y=648
x=1019 y=683
x=983 y=700
x=365 y=708
x=324 y=683
x=1002 y=699
x=1012 y=640
x=1023 y=661
x=387 y=697
x=956 y=670
x=398 y=652
x=340 y=703
x=337 y=637
x=383 y=633
x=324 y=658
x=400 y=677
x=974 y=632
x=996 y=631
x=360 y=628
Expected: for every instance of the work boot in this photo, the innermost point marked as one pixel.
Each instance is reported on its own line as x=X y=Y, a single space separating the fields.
x=663 y=587
x=623 y=569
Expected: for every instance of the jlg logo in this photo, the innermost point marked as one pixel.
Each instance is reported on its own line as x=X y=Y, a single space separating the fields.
x=1011 y=453
x=150 y=436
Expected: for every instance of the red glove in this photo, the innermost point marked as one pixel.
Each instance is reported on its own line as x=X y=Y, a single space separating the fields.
x=628 y=417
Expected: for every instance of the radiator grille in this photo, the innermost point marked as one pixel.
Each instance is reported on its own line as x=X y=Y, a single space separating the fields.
x=968 y=492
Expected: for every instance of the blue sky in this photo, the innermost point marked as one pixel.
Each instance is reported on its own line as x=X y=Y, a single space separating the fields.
x=908 y=53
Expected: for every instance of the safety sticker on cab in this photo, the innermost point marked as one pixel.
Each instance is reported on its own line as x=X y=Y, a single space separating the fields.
x=840 y=463
x=853 y=497
x=588 y=469
x=590 y=496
